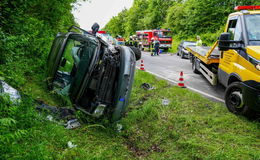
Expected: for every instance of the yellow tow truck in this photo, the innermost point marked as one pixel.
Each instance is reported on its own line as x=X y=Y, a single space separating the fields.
x=234 y=61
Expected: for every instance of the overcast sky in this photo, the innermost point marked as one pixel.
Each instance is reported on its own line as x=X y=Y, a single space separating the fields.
x=100 y=11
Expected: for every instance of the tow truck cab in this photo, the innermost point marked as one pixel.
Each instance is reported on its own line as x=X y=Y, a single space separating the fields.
x=239 y=65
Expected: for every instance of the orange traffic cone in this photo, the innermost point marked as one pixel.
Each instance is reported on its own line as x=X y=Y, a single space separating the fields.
x=181 y=81
x=142 y=65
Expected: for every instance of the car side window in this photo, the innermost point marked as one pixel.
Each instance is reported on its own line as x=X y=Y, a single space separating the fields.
x=238 y=30
x=231 y=28
x=67 y=67
x=235 y=29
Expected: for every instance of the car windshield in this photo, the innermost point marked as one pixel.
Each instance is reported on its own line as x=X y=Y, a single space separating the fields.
x=164 y=34
x=185 y=44
x=253 y=31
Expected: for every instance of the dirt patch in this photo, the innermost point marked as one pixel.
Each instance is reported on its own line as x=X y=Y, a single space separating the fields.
x=143 y=99
x=138 y=152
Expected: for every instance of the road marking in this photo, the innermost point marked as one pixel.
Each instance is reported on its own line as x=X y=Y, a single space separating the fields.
x=193 y=89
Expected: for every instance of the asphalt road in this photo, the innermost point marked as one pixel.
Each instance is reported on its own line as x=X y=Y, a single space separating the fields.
x=169 y=66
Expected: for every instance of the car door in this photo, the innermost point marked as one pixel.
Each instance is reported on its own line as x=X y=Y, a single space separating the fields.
x=229 y=58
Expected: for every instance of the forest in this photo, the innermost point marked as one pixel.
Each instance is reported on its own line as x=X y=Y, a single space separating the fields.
x=186 y=18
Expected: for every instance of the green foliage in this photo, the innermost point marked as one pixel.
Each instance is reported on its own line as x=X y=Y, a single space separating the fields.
x=134 y=16
x=117 y=24
x=26 y=33
x=186 y=18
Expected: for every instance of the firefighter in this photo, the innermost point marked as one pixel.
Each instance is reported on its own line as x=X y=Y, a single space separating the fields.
x=130 y=42
x=156 y=47
x=135 y=40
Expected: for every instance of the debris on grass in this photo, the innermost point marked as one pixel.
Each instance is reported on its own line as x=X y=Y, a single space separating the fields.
x=63 y=114
x=119 y=127
x=49 y=118
x=71 y=145
x=7 y=89
x=71 y=124
x=165 y=102
x=147 y=86
x=58 y=112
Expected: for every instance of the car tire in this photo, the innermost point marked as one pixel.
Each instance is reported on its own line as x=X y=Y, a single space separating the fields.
x=234 y=100
x=137 y=52
x=190 y=57
x=182 y=55
x=194 y=66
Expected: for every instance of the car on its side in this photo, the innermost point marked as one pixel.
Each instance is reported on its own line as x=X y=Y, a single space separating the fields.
x=182 y=48
x=96 y=76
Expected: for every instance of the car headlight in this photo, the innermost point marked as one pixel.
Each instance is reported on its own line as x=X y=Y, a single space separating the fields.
x=255 y=62
x=258 y=66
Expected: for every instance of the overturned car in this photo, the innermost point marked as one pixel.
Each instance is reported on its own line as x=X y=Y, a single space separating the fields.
x=96 y=76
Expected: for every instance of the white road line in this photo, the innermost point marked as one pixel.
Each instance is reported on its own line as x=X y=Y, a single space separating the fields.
x=193 y=89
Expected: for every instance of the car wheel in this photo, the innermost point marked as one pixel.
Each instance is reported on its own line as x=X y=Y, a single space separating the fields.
x=190 y=57
x=182 y=55
x=194 y=66
x=137 y=52
x=234 y=100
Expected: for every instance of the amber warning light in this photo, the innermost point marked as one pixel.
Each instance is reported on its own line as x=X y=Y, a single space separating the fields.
x=239 y=8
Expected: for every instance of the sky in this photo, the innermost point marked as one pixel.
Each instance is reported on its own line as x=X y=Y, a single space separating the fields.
x=100 y=11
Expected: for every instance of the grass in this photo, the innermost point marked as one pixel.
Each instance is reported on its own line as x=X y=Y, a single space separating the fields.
x=190 y=127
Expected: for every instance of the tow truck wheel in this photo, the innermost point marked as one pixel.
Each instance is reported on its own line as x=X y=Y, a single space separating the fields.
x=234 y=100
x=194 y=68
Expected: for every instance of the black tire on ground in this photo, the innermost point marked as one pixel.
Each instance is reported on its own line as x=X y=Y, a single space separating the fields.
x=234 y=100
x=194 y=66
x=182 y=55
x=190 y=57
x=137 y=52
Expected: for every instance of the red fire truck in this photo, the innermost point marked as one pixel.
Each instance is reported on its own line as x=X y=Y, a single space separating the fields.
x=120 y=41
x=146 y=38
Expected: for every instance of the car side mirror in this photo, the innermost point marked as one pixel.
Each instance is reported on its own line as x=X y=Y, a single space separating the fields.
x=63 y=62
x=95 y=28
x=223 y=43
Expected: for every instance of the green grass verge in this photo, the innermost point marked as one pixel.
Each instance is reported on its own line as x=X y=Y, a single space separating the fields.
x=190 y=127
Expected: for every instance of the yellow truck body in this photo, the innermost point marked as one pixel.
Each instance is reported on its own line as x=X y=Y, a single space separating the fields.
x=235 y=61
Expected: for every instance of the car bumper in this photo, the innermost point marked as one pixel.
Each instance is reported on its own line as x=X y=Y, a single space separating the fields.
x=251 y=94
